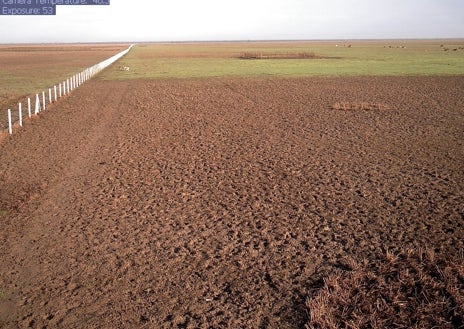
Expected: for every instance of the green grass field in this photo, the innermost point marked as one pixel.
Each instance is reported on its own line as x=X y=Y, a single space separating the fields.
x=26 y=82
x=200 y=60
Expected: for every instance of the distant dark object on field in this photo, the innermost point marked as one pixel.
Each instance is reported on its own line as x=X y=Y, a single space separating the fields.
x=453 y=49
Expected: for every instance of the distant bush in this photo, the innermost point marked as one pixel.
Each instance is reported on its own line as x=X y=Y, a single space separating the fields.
x=415 y=289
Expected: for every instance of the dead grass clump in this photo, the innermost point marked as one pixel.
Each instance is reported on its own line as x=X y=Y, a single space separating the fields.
x=258 y=55
x=415 y=289
x=365 y=106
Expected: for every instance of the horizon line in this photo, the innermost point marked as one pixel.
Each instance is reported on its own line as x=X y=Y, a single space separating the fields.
x=234 y=41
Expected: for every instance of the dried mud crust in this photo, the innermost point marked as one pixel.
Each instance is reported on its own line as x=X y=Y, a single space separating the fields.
x=219 y=203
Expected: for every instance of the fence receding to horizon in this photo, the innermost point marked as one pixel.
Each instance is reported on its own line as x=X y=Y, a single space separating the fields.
x=48 y=96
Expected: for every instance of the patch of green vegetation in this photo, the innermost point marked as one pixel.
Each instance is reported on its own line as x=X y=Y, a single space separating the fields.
x=362 y=58
x=3 y=213
x=25 y=82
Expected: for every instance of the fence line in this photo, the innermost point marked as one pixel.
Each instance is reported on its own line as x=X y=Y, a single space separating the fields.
x=62 y=89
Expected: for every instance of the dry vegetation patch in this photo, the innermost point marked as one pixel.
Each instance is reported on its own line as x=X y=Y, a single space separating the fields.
x=261 y=55
x=363 y=106
x=415 y=289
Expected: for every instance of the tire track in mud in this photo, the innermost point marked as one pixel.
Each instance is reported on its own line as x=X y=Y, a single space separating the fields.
x=38 y=247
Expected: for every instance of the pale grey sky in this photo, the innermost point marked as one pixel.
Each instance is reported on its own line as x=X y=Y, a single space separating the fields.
x=185 y=20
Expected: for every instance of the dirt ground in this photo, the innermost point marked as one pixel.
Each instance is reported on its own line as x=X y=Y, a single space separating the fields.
x=220 y=203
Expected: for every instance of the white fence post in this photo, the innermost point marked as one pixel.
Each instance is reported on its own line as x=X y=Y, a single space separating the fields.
x=20 y=112
x=37 y=104
x=54 y=88
x=10 y=125
x=29 y=106
x=49 y=95
x=43 y=100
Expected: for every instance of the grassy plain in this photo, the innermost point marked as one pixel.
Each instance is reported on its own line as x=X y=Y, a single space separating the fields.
x=338 y=58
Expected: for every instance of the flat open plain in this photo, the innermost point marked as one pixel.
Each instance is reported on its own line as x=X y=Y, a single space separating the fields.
x=219 y=203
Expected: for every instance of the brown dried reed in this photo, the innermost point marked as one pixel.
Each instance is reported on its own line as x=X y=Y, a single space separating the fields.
x=363 y=106
x=260 y=55
x=414 y=289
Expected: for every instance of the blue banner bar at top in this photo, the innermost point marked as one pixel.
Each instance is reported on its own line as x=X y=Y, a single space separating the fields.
x=25 y=10
x=42 y=7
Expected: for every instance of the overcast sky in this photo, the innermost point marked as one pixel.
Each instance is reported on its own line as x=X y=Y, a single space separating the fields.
x=185 y=20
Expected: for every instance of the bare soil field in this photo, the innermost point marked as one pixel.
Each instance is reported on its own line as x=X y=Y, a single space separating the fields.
x=221 y=203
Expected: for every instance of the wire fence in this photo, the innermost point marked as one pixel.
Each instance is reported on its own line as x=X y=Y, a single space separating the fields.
x=34 y=104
